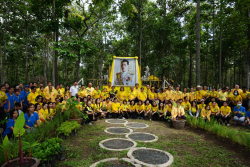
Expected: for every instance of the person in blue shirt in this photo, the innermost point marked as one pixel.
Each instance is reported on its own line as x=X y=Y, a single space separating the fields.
x=24 y=95
x=10 y=101
x=239 y=113
x=10 y=124
x=18 y=97
x=31 y=118
x=248 y=118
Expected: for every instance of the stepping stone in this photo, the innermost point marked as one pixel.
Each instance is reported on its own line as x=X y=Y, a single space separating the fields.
x=116 y=121
x=115 y=162
x=136 y=125
x=142 y=137
x=117 y=144
x=118 y=130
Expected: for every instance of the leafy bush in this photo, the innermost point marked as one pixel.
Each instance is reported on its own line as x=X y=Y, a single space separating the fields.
x=67 y=127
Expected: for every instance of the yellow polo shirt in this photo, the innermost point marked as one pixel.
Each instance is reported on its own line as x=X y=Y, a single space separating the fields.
x=148 y=107
x=161 y=96
x=169 y=94
x=192 y=96
x=132 y=107
x=152 y=95
x=97 y=94
x=32 y=97
x=185 y=95
x=122 y=95
x=201 y=106
x=140 y=107
x=3 y=96
x=215 y=109
x=142 y=96
x=236 y=98
x=225 y=111
x=222 y=96
x=213 y=94
x=124 y=107
x=245 y=95
x=199 y=96
x=82 y=93
x=105 y=95
x=186 y=105
x=131 y=95
x=154 y=109
x=177 y=95
x=115 y=106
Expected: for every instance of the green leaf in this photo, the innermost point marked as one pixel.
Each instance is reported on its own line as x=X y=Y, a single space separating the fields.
x=6 y=142
x=20 y=121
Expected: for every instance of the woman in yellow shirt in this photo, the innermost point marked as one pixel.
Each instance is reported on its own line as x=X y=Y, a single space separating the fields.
x=116 y=109
x=202 y=105
x=236 y=97
x=215 y=111
x=79 y=104
x=82 y=93
x=225 y=113
x=98 y=110
x=185 y=94
x=122 y=95
x=50 y=111
x=161 y=112
x=104 y=94
x=192 y=95
x=40 y=114
x=186 y=105
x=205 y=113
x=168 y=109
x=124 y=109
x=140 y=108
x=152 y=96
x=213 y=93
x=132 y=110
x=44 y=111
x=148 y=110
x=97 y=93
x=106 y=107
x=67 y=92
x=178 y=111
x=194 y=110
x=154 y=110
x=41 y=92
x=212 y=100
x=90 y=111
x=161 y=96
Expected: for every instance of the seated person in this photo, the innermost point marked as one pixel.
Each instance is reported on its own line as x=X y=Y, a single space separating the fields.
x=239 y=114
x=161 y=112
x=154 y=111
x=212 y=100
x=140 y=108
x=124 y=110
x=132 y=110
x=168 y=110
x=40 y=114
x=215 y=111
x=248 y=118
x=106 y=107
x=178 y=111
x=194 y=112
x=18 y=107
x=148 y=110
x=90 y=111
x=98 y=110
x=115 y=109
x=202 y=105
x=186 y=105
x=31 y=118
x=10 y=124
x=205 y=113
x=225 y=113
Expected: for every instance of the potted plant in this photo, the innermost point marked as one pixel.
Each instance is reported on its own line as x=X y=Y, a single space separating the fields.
x=18 y=132
x=72 y=112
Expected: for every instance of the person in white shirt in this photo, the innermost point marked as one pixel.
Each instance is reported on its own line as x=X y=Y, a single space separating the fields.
x=73 y=90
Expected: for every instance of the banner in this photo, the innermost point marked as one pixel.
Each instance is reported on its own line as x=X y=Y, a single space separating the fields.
x=125 y=71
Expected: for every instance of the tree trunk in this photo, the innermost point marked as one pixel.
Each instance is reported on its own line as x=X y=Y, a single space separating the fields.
x=53 y=54
x=220 y=58
x=190 y=68
x=56 y=61
x=198 y=43
x=66 y=71
x=78 y=67
x=213 y=50
x=48 y=62
x=26 y=53
x=44 y=62
x=33 y=66
x=248 y=50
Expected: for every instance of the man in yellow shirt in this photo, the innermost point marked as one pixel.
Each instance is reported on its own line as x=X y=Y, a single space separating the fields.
x=213 y=93
x=109 y=88
x=148 y=90
x=245 y=97
x=178 y=111
x=222 y=96
x=32 y=96
x=82 y=92
x=142 y=95
x=205 y=94
x=237 y=87
x=199 y=94
x=58 y=93
x=38 y=89
x=131 y=94
x=62 y=90
x=46 y=89
x=51 y=95
x=90 y=90
x=169 y=93
x=186 y=105
x=192 y=95
x=178 y=94
x=137 y=91
x=152 y=95
x=97 y=93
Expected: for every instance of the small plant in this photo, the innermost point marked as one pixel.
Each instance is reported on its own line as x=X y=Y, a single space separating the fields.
x=5 y=148
x=30 y=146
x=67 y=127
x=71 y=109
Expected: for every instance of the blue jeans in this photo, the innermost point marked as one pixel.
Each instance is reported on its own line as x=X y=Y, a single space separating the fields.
x=241 y=119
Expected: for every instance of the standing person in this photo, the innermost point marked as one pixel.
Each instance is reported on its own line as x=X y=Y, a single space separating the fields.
x=185 y=94
x=31 y=118
x=215 y=111
x=32 y=96
x=199 y=95
x=24 y=95
x=97 y=93
x=169 y=93
x=104 y=94
x=58 y=92
x=67 y=93
x=115 y=109
x=177 y=94
x=10 y=124
x=6 y=85
x=10 y=101
x=245 y=97
x=3 y=101
x=38 y=89
x=41 y=92
x=62 y=90
x=229 y=99
x=236 y=97
x=152 y=96
x=205 y=113
x=21 y=87
x=90 y=111
x=213 y=93
x=112 y=93
x=50 y=95
x=161 y=96
x=222 y=97
x=225 y=113
x=194 y=112
x=148 y=91
x=73 y=90
x=131 y=94
x=237 y=87
x=109 y=88
x=18 y=97
x=192 y=95
x=148 y=110
x=82 y=93
x=205 y=94
x=137 y=91
x=47 y=89
x=121 y=95
x=142 y=95
x=239 y=113
x=90 y=89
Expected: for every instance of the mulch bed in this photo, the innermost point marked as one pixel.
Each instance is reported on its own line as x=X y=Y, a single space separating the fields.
x=136 y=125
x=118 y=130
x=118 y=144
x=141 y=137
x=116 y=121
x=150 y=156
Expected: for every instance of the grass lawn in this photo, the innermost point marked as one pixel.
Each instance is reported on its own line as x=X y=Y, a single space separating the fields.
x=189 y=147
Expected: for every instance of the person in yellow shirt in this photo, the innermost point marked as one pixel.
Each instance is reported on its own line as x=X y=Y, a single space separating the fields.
x=40 y=114
x=186 y=105
x=132 y=110
x=82 y=92
x=137 y=91
x=152 y=96
x=3 y=101
x=177 y=94
x=161 y=112
x=211 y=103
x=185 y=94
x=194 y=112
x=124 y=109
x=98 y=109
x=168 y=109
x=169 y=93
x=205 y=94
x=131 y=94
x=236 y=97
x=202 y=105
x=215 y=111
x=50 y=111
x=225 y=113
x=237 y=87
x=245 y=97
x=58 y=93
x=50 y=95
x=62 y=90
x=79 y=104
x=140 y=108
x=222 y=96
x=38 y=89
x=213 y=93
x=41 y=92
x=106 y=107
x=90 y=89
x=121 y=95
x=148 y=90
x=97 y=93
x=161 y=96
x=109 y=88
x=44 y=111
x=192 y=95
x=148 y=110
x=32 y=96
x=91 y=114
x=115 y=109
x=104 y=94
x=199 y=95
x=112 y=93
x=205 y=113
x=178 y=111
x=142 y=95
x=229 y=97
x=67 y=91
x=47 y=89
x=154 y=111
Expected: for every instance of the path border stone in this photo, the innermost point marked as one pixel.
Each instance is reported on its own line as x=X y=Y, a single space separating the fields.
x=116 y=159
x=156 y=137
x=106 y=130
x=170 y=161
x=136 y=123
x=107 y=121
x=111 y=149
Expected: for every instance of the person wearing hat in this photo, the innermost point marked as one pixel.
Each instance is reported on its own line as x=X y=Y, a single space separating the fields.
x=177 y=94
x=142 y=95
x=169 y=93
x=161 y=96
x=24 y=95
x=199 y=94
x=152 y=95
x=222 y=96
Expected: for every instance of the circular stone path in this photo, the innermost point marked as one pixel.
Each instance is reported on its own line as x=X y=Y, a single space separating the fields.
x=116 y=121
x=118 y=130
x=117 y=144
x=143 y=137
x=136 y=125
x=116 y=165
x=150 y=157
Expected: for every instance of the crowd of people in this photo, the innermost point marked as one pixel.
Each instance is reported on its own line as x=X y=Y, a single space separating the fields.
x=41 y=103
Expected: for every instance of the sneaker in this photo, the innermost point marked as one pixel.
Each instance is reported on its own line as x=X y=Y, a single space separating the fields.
x=228 y=124
x=90 y=123
x=123 y=118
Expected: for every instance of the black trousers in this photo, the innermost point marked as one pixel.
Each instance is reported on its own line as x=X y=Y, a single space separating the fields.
x=133 y=114
x=91 y=118
x=125 y=114
x=182 y=117
x=142 y=114
x=226 y=118
x=245 y=103
x=2 y=117
x=215 y=117
x=116 y=115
